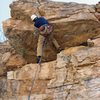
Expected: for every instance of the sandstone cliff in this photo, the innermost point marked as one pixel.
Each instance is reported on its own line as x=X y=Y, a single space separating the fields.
x=73 y=74
x=73 y=24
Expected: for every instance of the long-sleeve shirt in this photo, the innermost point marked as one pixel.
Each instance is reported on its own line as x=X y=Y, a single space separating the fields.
x=40 y=22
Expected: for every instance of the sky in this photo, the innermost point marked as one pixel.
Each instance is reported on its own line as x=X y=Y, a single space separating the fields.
x=4 y=14
x=5 y=11
x=80 y=1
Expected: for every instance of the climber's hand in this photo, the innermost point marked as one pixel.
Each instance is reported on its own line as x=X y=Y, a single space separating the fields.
x=38 y=59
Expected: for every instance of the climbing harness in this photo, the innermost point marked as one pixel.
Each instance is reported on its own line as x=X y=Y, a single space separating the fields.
x=48 y=29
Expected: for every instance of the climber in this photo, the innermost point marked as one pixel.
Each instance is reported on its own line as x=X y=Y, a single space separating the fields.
x=44 y=29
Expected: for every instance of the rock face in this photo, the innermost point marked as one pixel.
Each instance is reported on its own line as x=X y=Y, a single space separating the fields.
x=73 y=24
x=74 y=75
x=5 y=49
x=75 y=72
x=9 y=59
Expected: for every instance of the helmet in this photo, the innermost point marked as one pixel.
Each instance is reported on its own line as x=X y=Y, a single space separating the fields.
x=33 y=17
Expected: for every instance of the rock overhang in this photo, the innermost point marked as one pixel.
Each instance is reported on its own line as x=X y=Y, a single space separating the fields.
x=73 y=24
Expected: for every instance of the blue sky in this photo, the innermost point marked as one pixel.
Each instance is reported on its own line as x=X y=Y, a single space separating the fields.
x=5 y=11
x=4 y=14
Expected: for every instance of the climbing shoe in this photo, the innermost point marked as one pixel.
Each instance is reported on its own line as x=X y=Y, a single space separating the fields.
x=38 y=59
x=90 y=43
x=59 y=49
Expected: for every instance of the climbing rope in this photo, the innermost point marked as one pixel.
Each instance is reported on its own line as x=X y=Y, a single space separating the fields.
x=37 y=72
x=34 y=79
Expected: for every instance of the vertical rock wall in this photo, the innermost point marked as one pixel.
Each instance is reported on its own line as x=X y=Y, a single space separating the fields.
x=74 y=75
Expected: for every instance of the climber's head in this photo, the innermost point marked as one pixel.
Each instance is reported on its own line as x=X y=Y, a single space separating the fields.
x=34 y=17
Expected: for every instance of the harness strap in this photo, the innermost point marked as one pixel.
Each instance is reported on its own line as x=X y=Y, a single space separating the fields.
x=46 y=30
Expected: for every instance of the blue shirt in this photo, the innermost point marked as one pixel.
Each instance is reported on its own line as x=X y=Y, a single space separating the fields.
x=40 y=22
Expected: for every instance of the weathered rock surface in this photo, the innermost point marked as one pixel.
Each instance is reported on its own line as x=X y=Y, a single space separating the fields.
x=97 y=14
x=5 y=49
x=73 y=24
x=74 y=75
x=9 y=59
x=98 y=7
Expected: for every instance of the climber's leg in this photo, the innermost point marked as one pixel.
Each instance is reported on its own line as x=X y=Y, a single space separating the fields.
x=58 y=47
x=40 y=47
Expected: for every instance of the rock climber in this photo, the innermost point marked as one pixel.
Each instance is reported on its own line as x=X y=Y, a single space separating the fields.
x=44 y=29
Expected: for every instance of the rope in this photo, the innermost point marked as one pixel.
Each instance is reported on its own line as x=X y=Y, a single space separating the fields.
x=37 y=72
x=34 y=79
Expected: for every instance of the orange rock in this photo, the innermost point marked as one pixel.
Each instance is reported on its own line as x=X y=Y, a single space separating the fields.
x=15 y=61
